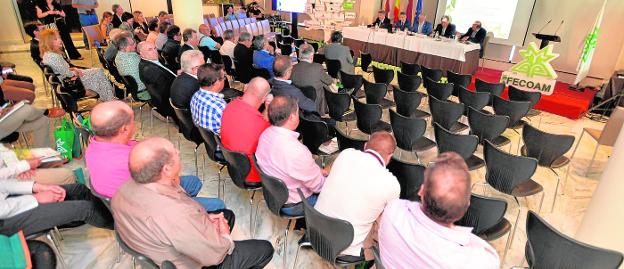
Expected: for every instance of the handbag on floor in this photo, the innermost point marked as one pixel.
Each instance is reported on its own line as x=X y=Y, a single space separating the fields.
x=74 y=87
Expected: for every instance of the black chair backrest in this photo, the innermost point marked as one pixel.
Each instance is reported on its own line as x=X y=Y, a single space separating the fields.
x=495 y=89
x=543 y=146
x=345 y=142
x=368 y=115
x=187 y=127
x=483 y=213
x=410 y=176
x=366 y=60
x=350 y=81
x=375 y=92
x=486 y=126
x=215 y=57
x=506 y=171
x=442 y=91
x=407 y=103
x=274 y=190
x=261 y=72
x=143 y=260
x=516 y=94
x=515 y=110
x=313 y=133
x=337 y=103
x=288 y=40
x=315 y=45
x=237 y=164
x=431 y=73
x=227 y=64
x=132 y=87
x=333 y=67
x=384 y=76
x=464 y=145
x=476 y=100
x=279 y=38
x=244 y=73
x=410 y=69
x=408 y=83
x=299 y=42
x=445 y=113
x=68 y=103
x=100 y=53
x=210 y=143
x=458 y=79
x=319 y=58
x=286 y=49
x=309 y=92
x=549 y=248
x=112 y=69
x=328 y=236
x=406 y=130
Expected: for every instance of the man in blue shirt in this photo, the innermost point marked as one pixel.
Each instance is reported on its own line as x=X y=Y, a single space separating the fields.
x=205 y=40
x=86 y=13
x=263 y=56
x=422 y=26
x=207 y=104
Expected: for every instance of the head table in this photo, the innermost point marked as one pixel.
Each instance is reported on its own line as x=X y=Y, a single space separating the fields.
x=392 y=48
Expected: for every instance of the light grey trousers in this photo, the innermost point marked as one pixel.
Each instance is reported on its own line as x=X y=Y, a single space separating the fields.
x=28 y=119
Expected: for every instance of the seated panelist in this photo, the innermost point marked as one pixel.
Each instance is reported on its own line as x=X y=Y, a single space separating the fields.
x=403 y=24
x=445 y=28
x=382 y=21
x=422 y=26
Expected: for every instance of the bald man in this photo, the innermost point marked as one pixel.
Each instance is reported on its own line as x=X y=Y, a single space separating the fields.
x=282 y=85
x=425 y=232
x=157 y=79
x=204 y=38
x=154 y=216
x=359 y=186
x=242 y=124
x=108 y=153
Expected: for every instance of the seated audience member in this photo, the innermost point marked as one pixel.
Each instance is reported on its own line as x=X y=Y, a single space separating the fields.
x=475 y=34
x=111 y=50
x=16 y=88
x=155 y=217
x=189 y=36
x=205 y=40
x=162 y=36
x=127 y=62
x=359 y=186
x=445 y=28
x=243 y=55
x=171 y=49
x=263 y=55
x=336 y=51
x=228 y=44
x=153 y=32
x=36 y=207
x=51 y=47
x=127 y=24
x=163 y=16
x=253 y=11
x=33 y=29
x=141 y=24
x=422 y=235
x=118 y=11
x=242 y=123
x=230 y=13
x=106 y=24
x=29 y=119
x=283 y=86
x=185 y=85
x=382 y=21
x=422 y=26
x=207 y=104
x=157 y=79
x=108 y=152
x=280 y=154
x=403 y=24
x=29 y=170
x=307 y=73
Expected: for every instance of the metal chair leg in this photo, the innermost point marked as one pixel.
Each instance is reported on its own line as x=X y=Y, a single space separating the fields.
x=556 y=190
x=284 y=256
x=513 y=232
x=565 y=182
x=196 y=167
x=56 y=248
x=296 y=257
x=251 y=200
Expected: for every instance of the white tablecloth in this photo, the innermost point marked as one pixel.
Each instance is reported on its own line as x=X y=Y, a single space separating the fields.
x=443 y=48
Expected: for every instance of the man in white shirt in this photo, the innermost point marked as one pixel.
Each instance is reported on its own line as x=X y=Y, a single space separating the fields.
x=228 y=44
x=423 y=235
x=359 y=186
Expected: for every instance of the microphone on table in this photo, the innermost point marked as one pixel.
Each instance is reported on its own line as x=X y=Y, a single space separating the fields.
x=558 y=27
x=540 y=30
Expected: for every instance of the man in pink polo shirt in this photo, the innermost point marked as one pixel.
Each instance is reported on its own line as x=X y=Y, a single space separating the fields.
x=108 y=153
x=423 y=235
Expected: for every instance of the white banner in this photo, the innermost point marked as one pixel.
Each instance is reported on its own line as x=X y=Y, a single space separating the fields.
x=589 y=46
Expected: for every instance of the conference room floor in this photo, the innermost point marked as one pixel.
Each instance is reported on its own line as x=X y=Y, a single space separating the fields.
x=89 y=247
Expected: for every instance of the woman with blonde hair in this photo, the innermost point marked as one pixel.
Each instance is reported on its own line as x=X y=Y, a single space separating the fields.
x=106 y=24
x=50 y=45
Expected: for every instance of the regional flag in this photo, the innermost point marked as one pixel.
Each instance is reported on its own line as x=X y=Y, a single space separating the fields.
x=589 y=46
x=397 y=7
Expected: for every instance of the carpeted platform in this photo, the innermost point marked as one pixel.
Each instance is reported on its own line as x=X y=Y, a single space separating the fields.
x=563 y=102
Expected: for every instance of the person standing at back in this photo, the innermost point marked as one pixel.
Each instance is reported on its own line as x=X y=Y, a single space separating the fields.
x=87 y=15
x=336 y=51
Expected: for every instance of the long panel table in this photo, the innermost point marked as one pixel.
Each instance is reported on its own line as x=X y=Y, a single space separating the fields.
x=394 y=48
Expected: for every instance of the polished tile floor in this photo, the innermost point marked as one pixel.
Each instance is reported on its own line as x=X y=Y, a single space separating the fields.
x=88 y=247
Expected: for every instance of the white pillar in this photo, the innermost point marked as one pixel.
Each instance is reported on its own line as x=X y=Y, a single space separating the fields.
x=188 y=13
x=602 y=223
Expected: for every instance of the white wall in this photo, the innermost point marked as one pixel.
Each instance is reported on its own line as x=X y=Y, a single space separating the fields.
x=11 y=32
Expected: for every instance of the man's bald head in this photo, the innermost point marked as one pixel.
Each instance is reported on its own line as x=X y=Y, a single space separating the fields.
x=282 y=67
x=148 y=158
x=445 y=193
x=108 y=118
x=255 y=91
x=383 y=143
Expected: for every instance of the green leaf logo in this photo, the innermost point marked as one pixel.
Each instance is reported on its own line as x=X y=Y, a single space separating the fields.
x=536 y=62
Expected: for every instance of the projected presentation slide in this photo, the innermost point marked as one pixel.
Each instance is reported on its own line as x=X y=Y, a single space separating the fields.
x=496 y=16
x=297 y=6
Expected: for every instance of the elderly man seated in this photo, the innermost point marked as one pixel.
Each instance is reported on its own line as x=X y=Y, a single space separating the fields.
x=425 y=232
x=108 y=153
x=127 y=62
x=154 y=216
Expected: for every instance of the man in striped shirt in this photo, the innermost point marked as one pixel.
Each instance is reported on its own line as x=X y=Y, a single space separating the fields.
x=207 y=104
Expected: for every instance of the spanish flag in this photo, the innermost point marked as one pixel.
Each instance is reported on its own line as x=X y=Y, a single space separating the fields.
x=397 y=7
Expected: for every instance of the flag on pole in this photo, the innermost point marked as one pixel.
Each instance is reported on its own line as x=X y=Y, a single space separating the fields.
x=409 y=10
x=589 y=46
x=387 y=8
x=418 y=9
x=397 y=7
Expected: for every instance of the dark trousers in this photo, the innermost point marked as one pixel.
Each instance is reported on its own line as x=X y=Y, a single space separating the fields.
x=19 y=78
x=41 y=255
x=248 y=254
x=79 y=206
